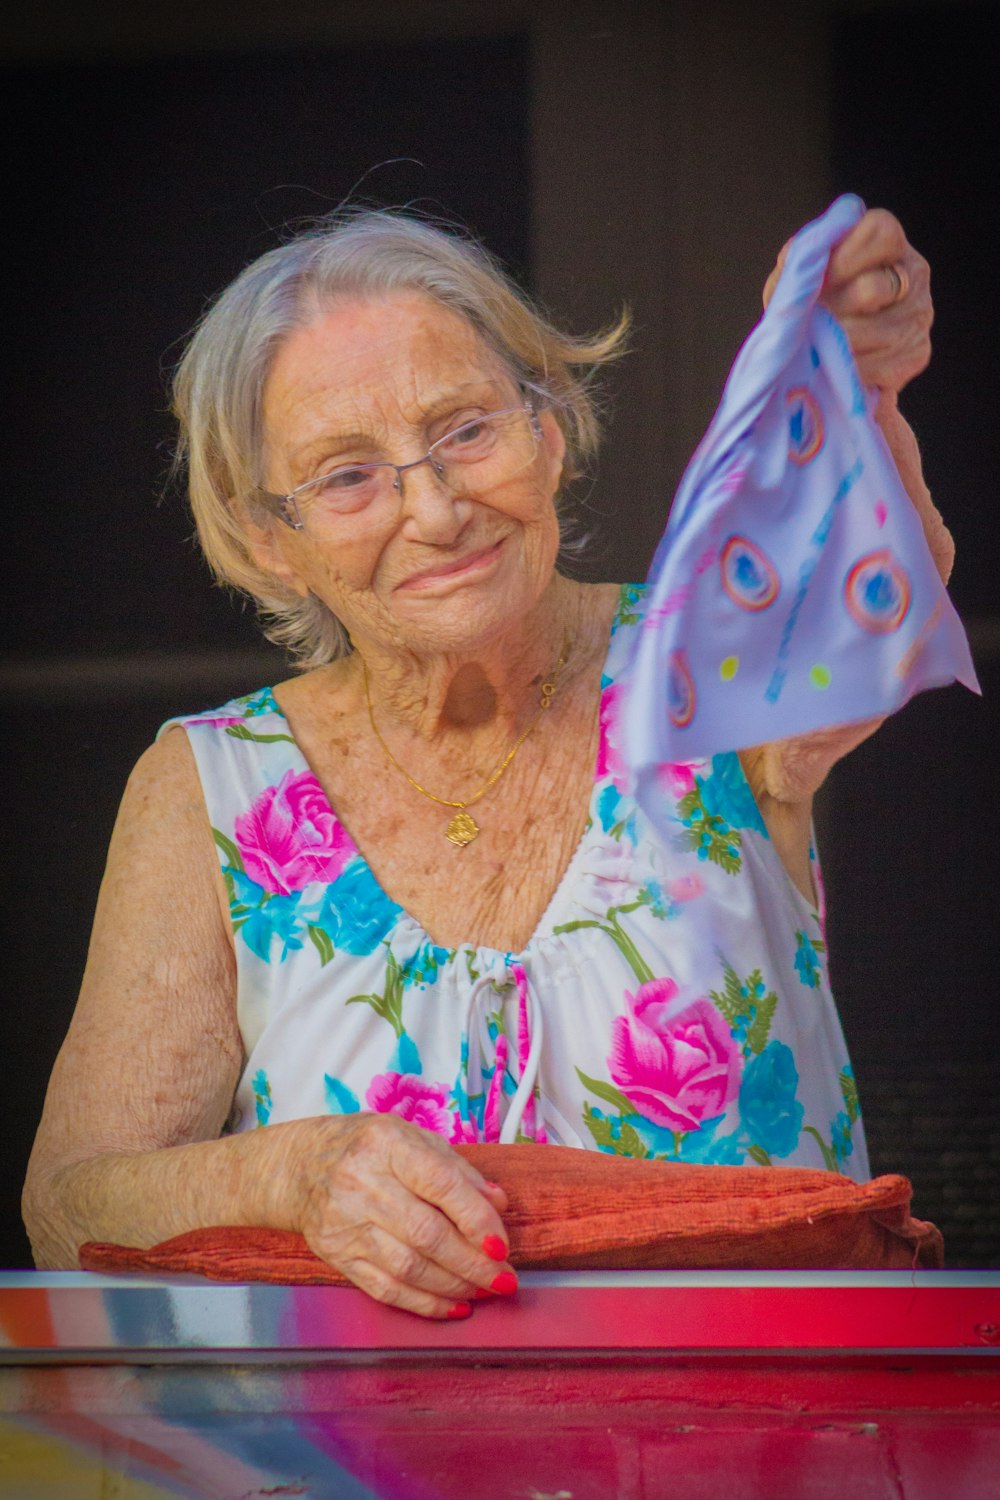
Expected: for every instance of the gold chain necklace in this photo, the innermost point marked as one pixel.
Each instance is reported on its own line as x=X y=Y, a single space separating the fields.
x=463 y=828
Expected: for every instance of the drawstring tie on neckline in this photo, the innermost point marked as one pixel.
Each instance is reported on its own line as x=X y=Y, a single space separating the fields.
x=524 y=1114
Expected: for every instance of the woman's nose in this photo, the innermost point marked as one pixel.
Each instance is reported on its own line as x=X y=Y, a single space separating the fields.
x=430 y=509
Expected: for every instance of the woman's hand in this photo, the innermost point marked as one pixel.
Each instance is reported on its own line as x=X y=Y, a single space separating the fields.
x=879 y=290
x=400 y=1213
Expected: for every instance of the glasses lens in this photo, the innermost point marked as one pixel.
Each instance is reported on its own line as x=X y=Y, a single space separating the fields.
x=487 y=452
x=343 y=492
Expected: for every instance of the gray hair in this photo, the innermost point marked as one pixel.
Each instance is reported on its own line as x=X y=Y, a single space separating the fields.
x=219 y=384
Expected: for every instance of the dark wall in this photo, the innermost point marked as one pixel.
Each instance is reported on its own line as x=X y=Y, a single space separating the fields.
x=913 y=818
x=137 y=190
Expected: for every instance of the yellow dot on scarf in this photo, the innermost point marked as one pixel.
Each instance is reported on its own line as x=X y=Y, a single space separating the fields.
x=820 y=676
x=729 y=667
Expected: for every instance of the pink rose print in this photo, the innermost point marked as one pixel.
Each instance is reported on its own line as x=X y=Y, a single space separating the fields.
x=407 y=1095
x=610 y=760
x=463 y=1132
x=677 y=1066
x=529 y=1125
x=291 y=836
x=676 y=777
x=491 y=1109
x=685 y=888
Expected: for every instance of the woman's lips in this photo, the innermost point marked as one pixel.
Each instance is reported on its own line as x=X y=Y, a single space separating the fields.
x=458 y=571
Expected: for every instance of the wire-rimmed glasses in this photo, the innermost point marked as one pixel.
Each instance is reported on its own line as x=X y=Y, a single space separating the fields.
x=478 y=456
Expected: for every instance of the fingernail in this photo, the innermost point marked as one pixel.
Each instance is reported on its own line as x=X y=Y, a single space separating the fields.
x=494 y=1247
x=480 y=1293
x=495 y=1186
x=460 y=1310
x=505 y=1283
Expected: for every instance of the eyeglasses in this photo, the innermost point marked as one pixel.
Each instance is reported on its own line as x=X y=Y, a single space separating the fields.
x=478 y=456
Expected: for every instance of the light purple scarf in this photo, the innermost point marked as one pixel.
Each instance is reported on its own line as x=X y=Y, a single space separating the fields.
x=793 y=588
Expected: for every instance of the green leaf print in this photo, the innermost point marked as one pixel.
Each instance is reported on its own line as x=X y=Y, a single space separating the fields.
x=607 y=1092
x=709 y=833
x=323 y=944
x=618 y=936
x=758 y=1032
x=233 y=856
x=747 y=1007
x=730 y=1001
x=390 y=1004
x=849 y=1091
x=628 y=598
x=829 y=1160
x=626 y=1143
x=241 y=732
x=759 y=1155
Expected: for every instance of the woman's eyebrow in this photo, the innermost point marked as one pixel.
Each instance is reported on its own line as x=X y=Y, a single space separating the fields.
x=333 y=440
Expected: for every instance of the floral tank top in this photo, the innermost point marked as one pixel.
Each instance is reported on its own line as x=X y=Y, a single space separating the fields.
x=673 y=1002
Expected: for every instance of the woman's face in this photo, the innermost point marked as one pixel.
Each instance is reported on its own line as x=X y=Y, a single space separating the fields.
x=425 y=571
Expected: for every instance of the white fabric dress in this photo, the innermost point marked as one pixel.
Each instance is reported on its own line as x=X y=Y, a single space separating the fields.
x=673 y=1002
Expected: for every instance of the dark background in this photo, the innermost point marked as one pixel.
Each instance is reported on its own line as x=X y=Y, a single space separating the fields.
x=642 y=152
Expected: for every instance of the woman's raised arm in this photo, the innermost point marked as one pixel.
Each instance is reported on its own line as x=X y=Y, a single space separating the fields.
x=878 y=287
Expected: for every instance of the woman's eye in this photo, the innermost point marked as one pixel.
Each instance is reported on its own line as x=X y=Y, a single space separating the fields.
x=343 y=481
x=469 y=439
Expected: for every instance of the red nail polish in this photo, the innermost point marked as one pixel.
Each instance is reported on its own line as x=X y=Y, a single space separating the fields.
x=480 y=1293
x=460 y=1310
x=494 y=1247
x=505 y=1283
x=495 y=1186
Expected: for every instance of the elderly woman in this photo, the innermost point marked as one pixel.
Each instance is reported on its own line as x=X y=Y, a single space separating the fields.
x=403 y=900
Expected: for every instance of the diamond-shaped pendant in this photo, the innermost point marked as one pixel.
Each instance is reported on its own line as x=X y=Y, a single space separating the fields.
x=462 y=829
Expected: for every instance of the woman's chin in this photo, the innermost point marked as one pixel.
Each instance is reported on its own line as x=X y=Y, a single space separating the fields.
x=472 y=606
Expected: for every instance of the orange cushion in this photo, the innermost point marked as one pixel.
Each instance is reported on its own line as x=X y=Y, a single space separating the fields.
x=572 y=1209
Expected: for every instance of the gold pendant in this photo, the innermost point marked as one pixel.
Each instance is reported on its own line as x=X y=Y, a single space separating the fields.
x=462 y=829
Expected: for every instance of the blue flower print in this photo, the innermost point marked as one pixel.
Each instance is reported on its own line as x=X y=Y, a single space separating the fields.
x=262 y=701
x=262 y=1096
x=340 y=1100
x=706 y=1148
x=660 y=905
x=262 y=918
x=424 y=966
x=806 y=966
x=405 y=1057
x=726 y=794
x=613 y=815
x=769 y=1110
x=356 y=912
x=840 y=1137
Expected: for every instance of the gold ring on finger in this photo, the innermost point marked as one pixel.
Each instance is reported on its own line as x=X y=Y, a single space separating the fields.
x=899 y=280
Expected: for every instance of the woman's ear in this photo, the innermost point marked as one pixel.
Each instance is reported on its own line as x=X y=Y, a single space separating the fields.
x=266 y=543
x=554 y=443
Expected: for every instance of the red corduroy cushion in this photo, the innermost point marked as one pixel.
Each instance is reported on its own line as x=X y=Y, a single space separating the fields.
x=573 y=1209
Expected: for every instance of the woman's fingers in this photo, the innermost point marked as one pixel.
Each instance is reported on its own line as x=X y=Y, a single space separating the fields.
x=435 y=1173
x=403 y=1216
x=879 y=290
x=373 y=1277
x=877 y=239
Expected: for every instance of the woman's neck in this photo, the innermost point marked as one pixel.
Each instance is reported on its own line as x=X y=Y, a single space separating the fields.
x=488 y=691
